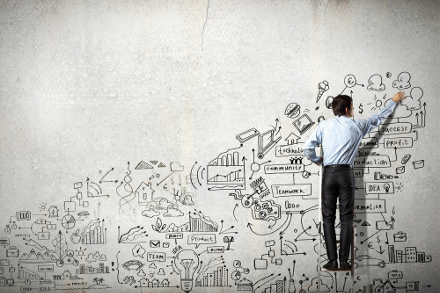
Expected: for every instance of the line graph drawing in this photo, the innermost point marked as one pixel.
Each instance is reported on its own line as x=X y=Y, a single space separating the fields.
x=226 y=172
x=133 y=235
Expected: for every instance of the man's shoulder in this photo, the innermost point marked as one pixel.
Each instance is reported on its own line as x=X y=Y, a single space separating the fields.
x=327 y=122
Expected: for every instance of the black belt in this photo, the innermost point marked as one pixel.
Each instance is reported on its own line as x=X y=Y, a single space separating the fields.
x=340 y=166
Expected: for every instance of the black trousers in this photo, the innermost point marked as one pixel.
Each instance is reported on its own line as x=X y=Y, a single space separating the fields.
x=338 y=181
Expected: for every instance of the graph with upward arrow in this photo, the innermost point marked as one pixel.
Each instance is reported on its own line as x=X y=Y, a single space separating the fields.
x=227 y=171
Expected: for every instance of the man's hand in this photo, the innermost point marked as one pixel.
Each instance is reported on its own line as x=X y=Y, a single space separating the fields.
x=399 y=96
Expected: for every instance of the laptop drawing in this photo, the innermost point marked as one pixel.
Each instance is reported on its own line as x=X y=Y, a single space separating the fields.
x=303 y=123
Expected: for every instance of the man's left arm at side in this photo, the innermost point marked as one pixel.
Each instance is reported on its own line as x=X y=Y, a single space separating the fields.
x=309 y=147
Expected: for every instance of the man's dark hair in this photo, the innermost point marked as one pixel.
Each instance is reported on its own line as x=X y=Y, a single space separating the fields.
x=340 y=103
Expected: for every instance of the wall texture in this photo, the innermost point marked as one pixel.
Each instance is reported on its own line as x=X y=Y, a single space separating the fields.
x=145 y=146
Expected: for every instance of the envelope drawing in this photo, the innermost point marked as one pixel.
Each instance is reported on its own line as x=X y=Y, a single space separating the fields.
x=166 y=244
x=418 y=164
x=400 y=170
x=400 y=237
x=154 y=243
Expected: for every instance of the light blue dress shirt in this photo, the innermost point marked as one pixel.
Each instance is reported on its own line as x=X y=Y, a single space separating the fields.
x=340 y=137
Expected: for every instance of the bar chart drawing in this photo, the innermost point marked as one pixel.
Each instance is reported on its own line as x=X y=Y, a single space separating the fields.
x=89 y=269
x=200 y=223
x=277 y=287
x=226 y=172
x=24 y=273
x=94 y=233
x=216 y=278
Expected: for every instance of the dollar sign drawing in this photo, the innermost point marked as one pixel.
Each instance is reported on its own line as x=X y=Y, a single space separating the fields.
x=360 y=109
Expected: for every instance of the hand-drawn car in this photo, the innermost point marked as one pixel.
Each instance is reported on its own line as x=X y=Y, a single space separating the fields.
x=365 y=260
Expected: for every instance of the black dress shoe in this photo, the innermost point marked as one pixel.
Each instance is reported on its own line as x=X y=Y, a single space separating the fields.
x=344 y=264
x=331 y=265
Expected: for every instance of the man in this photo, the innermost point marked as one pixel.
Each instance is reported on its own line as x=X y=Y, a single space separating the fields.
x=340 y=138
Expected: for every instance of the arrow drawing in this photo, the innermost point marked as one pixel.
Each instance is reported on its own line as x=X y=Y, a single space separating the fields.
x=289 y=217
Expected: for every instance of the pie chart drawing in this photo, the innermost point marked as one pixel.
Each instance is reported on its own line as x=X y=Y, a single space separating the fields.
x=68 y=222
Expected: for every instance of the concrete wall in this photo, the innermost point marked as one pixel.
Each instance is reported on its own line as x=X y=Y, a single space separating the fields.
x=115 y=117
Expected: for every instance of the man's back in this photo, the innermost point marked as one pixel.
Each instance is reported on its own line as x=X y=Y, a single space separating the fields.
x=340 y=137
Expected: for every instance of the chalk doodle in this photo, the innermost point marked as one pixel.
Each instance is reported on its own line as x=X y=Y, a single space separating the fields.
x=124 y=202
x=375 y=83
x=322 y=87
x=403 y=81
x=226 y=171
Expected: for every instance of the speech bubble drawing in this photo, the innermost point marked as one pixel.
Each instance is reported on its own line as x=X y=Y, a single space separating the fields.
x=138 y=250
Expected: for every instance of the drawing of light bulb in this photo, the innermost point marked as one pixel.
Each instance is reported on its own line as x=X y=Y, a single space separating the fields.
x=387 y=187
x=187 y=263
